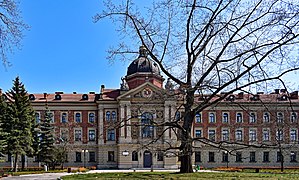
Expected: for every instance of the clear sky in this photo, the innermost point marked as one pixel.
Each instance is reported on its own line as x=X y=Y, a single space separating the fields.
x=64 y=50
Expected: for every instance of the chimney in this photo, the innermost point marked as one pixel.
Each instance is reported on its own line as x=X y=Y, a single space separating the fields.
x=294 y=95
x=283 y=90
x=276 y=91
x=102 y=88
x=45 y=95
x=240 y=95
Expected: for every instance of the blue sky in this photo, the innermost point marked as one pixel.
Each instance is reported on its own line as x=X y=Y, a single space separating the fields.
x=64 y=50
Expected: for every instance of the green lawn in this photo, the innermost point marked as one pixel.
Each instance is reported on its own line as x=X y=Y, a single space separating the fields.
x=167 y=175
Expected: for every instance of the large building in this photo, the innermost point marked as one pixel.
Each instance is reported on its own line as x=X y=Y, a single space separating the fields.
x=113 y=128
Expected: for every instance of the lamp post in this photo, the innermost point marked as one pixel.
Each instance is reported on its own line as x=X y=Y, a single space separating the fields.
x=84 y=156
x=226 y=154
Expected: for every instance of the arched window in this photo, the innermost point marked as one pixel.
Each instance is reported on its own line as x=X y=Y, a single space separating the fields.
x=212 y=118
x=108 y=116
x=279 y=117
x=198 y=118
x=113 y=116
x=134 y=156
x=147 y=127
x=239 y=118
x=91 y=117
x=177 y=116
x=266 y=117
x=64 y=117
x=78 y=117
x=252 y=117
x=225 y=118
x=293 y=117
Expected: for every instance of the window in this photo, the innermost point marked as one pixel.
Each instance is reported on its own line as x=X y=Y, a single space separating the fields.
x=279 y=157
x=279 y=135
x=266 y=135
x=212 y=134
x=225 y=135
x=51 y=116
x=212 y=117
x=239 y=118
x=177 y=116
x=64 y=134
x=91 y=117
x=266 y=117
x=279 y=117
x=78 y=157
x=110 y=155
x=198 y=118
x=78 y=135
x=211 y=157
x=293 y=135
x=84 y=97
x=252 y=157
x=252 y=135
x=198 y=133
x=147 y=127
x=197 y=156
x=37 y=117
x=64 y=118
x=293 y=157
x=160 y=156
x=134 y=156
x=77 y=117
x=225 y=117
x=113 y=116
x=91 y=135
x=238 y=157
x=108 y=116
x=111 y=135
x=266 y=157
x=92 y=157
x=225 y=156
x=239 y=135
x=293 y=117
x=252 y=117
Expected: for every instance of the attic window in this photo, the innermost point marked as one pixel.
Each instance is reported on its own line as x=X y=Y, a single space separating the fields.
x=31 y=97
x=230 y=98
x=84 y=97
x=255 y=97
x=57 y=97
x=283 y=97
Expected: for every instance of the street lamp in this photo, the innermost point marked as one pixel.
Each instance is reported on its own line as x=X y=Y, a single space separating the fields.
x=226 y=154
x=84 y=155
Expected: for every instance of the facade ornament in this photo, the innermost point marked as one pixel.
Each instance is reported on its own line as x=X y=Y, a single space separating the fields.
x=124 y=85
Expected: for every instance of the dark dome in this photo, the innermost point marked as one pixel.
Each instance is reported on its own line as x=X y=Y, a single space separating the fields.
x=143 y=64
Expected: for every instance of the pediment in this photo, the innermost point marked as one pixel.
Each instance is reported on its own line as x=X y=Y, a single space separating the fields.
x=146 y=91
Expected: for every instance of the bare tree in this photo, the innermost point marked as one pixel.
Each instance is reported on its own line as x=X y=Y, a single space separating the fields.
x=215 y=45
x=11 y=28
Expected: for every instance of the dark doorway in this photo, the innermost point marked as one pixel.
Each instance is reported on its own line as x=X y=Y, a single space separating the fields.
x=147 y=159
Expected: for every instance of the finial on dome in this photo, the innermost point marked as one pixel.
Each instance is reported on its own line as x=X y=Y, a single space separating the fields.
x=142 y=51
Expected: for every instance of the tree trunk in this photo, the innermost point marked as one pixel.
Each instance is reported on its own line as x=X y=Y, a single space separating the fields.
x=15 y=163
x=186 y=158
x=23 y=162
x=281 y=163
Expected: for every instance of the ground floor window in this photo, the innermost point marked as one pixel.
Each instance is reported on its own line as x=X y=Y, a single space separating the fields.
x=92 y=156
x=134 y=156
x=279 y=157
x=266 y=157
x=211 y=157
x=78 y=157
x=238 y=157
x=160 y=156
x=252 y=157
x=225 y=156
x=197 y=156
x=110 y=155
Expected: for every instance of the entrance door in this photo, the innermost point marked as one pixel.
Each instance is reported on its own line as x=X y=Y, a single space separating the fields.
x=147 y=159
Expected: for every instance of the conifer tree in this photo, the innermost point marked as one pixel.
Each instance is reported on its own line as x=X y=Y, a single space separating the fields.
x=19 y=122
x=46 y=138
x=3 y=114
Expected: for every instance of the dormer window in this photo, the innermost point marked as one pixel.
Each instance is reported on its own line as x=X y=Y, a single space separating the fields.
x=230 y=98
x=255 y=97
x=31 y=97
x=84 y=97
x=57 y=97
x=283 y=97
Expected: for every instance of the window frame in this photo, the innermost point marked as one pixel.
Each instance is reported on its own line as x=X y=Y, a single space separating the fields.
x=78 y=118
x=64 y=119
x=225 y=117
x=239 y=117
x=212 y=117
x=89 y=117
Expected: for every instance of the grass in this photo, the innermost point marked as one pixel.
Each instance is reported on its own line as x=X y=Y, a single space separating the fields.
x=167 y=175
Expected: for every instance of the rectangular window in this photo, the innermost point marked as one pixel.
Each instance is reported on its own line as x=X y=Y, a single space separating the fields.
x=51 y=115
x=197 y=156
x=293 y=135
x=293 y=117
x=212 y=134
x=92 y=135
x=212 y=117
x=91 y=117
x=198 y=118
x=78 y=135
x=64 y=117
x=37 y=117
x=160 y=156
x=266 y=117
x=111 y=135
x=252 y=157
x=266 y=135
x=293 y=156
x=110 y=155
x=198 y=133
x=239 y=135
x=77 y=117
x=266 y=157
x=279 y=135
x=225 y=117
x=252 y=117
x=238 y=157
x=211 y=157
x=279 y=117
x=225 y=135
x=92 y=157
x=134 y=156
x=279 y=157
x=252 y=135
x=225 y=156
x=64 y=134
x=78 y=157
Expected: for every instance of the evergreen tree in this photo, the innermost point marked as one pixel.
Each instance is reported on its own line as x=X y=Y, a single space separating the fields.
x=19 y=122
x=3 y=114
x=46 y=138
